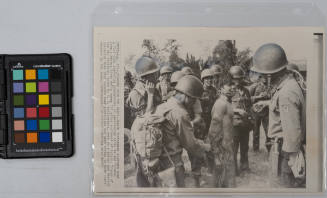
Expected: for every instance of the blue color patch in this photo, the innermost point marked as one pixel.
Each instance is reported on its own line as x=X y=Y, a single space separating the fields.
x=42 y=74
x=44 y=137
x=18 y=88
x=31 y=125
x=17 y=74
x=18 y=112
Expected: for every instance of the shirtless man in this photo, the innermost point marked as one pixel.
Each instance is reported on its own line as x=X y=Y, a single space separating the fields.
x=221 y=139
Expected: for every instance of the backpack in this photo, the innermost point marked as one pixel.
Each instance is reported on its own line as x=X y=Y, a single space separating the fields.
x=147 y=136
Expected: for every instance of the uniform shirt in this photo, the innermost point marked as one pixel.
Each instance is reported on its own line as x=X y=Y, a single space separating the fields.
x=163 y=87
x=177 y=130
x=241 y=99
x=257 y=89
x=137 y=99
x=287 y=115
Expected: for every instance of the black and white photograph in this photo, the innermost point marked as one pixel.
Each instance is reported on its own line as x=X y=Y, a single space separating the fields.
x=216 y=111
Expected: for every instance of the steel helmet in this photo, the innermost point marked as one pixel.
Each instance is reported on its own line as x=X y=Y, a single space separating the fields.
x=206 y=73
x=166 y=69
x=187 y=71
x=216 y=69
x=190 y=86
x=146 y=65
x=176 y=76
x=292 y=66
x=236 y=72
x=269 y=58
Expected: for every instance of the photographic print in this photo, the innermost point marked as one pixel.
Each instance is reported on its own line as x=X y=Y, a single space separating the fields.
x=207 y=110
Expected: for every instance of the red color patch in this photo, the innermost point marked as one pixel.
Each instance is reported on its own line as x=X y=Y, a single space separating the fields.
x=44 y=112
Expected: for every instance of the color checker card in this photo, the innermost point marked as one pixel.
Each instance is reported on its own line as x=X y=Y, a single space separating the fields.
x=36 y=110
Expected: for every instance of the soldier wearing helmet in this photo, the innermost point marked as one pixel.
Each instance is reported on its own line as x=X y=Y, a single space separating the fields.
x=208 y=97
x=164 y=83
x=287 y=115
x=178 y=132
x=187 y=71
x=220 y=136
x=260 y=91
x=217 y=71
x=241 y=102
x=144 y=97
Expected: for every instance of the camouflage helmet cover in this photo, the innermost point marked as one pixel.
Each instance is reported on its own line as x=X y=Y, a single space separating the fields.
x=206 y=73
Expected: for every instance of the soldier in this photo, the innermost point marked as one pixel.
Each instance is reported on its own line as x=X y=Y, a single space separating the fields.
x=208 y=98
x=217 y=70
x=144 y=97
x=287 y=115
x=259 y=91
x=164 y=84
x=198 y=126
x=221 y=157
x=178 y=132
x=242 y=123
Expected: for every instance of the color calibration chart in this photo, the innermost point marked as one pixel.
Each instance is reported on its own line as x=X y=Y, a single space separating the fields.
x=37 y=105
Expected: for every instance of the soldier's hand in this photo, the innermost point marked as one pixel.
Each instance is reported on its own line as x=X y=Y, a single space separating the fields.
x=150 y=87
x=207 y=147
x=241 y=112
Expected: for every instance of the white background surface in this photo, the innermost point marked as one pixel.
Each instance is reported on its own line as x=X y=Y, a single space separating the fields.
x=48 y=26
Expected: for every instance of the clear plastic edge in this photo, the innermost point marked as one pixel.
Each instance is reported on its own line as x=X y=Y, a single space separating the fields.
x=206 y=13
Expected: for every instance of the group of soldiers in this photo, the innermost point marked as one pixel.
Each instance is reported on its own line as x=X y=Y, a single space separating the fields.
x=212 y=118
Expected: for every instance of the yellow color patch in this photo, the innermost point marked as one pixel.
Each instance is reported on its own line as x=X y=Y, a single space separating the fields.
x=30 y=74
x=43 y=99
x=31 y=137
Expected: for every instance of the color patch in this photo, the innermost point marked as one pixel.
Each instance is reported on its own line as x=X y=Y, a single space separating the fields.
x=42 y=74
x=30 y=87
x=19 y=125
x=31 y=100
x=56 y=112
x=18 y=87
x=18 y=112
x=30 y=74
x=55 y=74
x=31 y=137
x=19 y=138
x=56 y=124
x=44 y=124
x=18 y=100
x=43 y=99
x=31 y=125
x=31 y=112
x=43 y=87
x=55 y=86
x=17 y=75
x=57 y=137
x=56 y=99
x=44 y=112
x=44 y=137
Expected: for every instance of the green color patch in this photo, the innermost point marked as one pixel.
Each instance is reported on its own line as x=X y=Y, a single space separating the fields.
x=44 y=124
x=31 y=87
x=18 y=100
